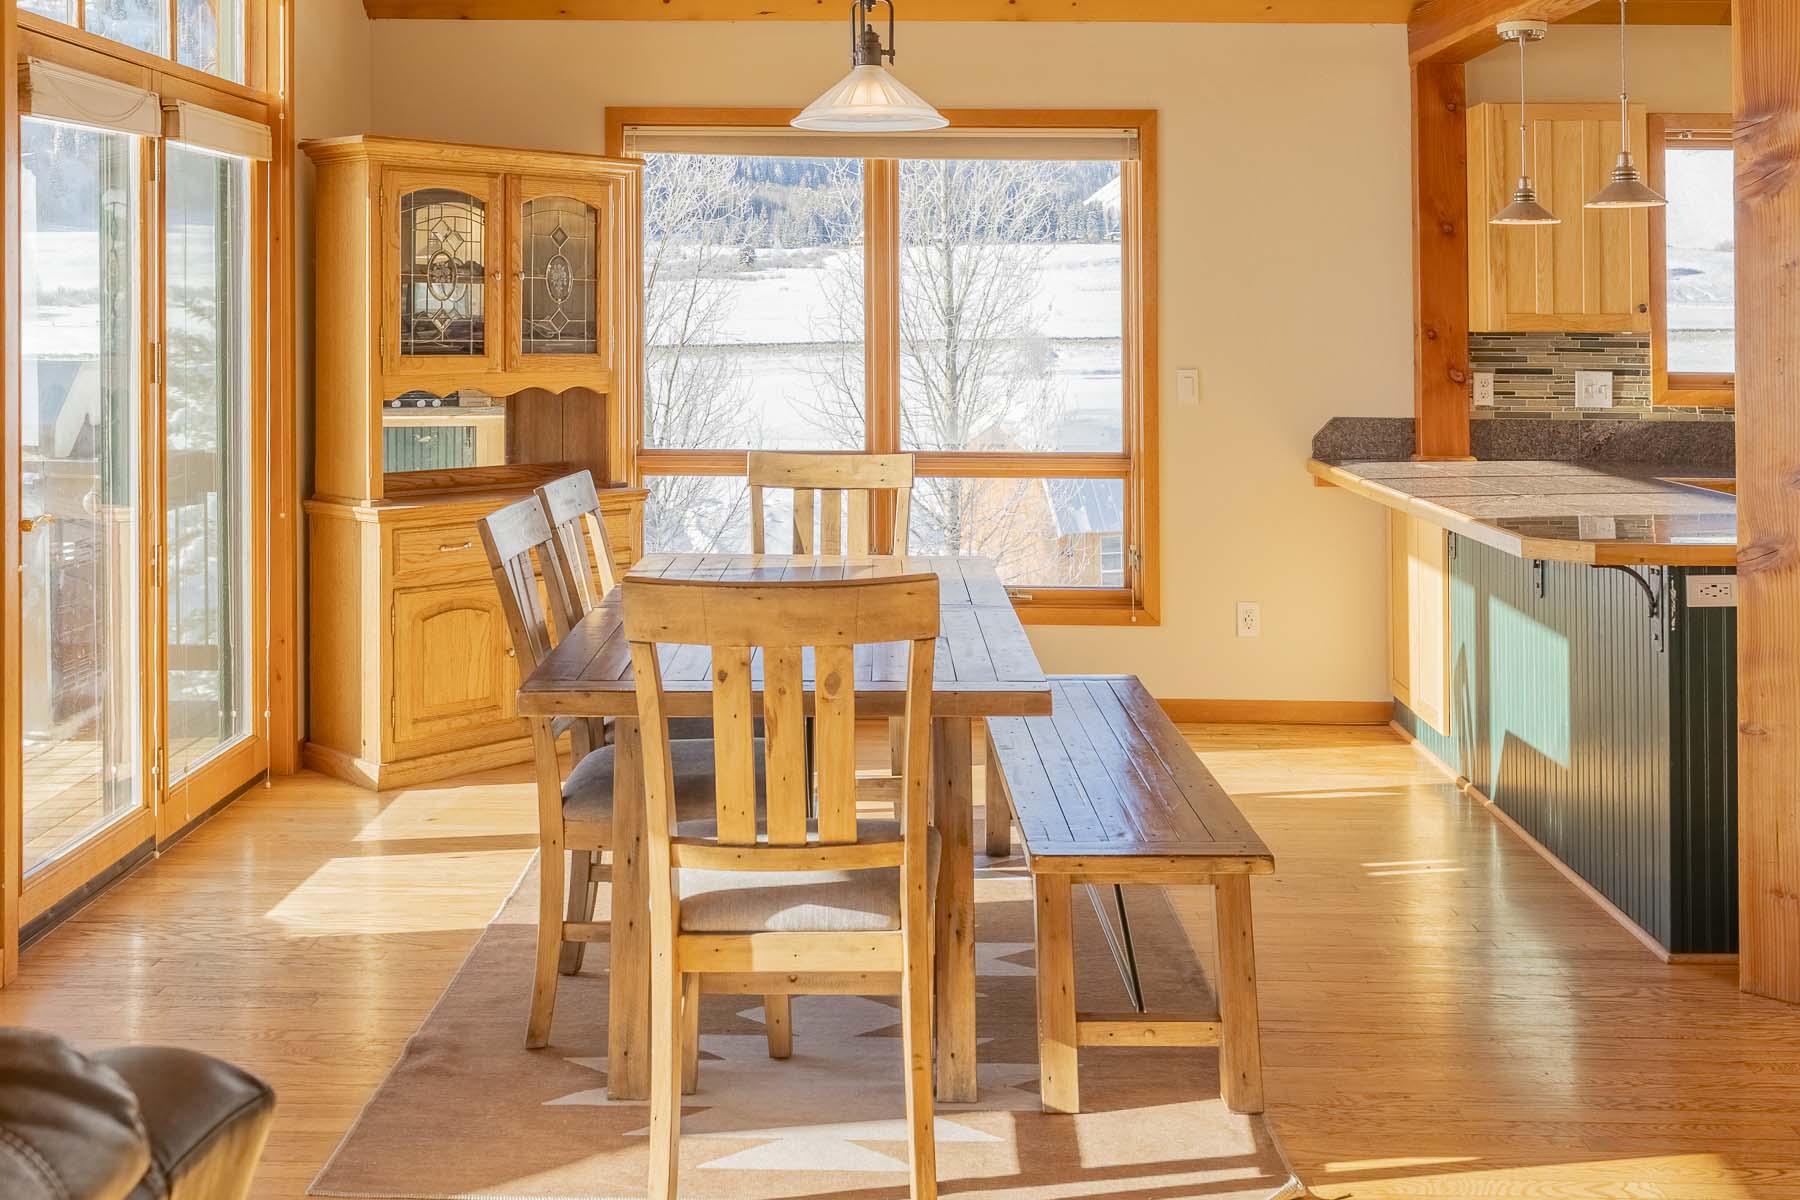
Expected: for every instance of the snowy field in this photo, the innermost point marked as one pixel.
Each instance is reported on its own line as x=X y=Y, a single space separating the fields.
x=788 y=326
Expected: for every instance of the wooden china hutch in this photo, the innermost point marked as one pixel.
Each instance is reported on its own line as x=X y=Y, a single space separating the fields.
x=477 y=333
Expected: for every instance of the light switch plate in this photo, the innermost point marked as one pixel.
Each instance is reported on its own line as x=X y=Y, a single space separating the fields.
x=1593 y=389
x=1484 y=389
x=1187 y=386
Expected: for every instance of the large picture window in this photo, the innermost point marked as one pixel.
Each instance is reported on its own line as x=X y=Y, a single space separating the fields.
x=975 y=298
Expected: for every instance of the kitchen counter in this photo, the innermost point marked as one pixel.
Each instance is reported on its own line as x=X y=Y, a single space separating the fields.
x=1611 y=515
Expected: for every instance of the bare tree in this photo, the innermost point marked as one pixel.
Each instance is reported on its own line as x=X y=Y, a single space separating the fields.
x=694 y=393
x=976 y=367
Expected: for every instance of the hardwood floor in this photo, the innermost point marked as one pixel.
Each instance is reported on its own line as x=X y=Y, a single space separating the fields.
x=1443 y=1014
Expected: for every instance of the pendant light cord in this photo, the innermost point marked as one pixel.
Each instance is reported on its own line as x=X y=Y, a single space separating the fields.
x=1624 y=91
x=1524 y=163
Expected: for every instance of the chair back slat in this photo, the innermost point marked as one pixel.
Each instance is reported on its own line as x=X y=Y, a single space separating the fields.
x=784 y=742
x=776 y=625
x=834 y=741
x=581 y=553
x=823 y=485
x=510 y=536
x=831 y=521
x=734 y=749
x=857 y=527
x=804 y=542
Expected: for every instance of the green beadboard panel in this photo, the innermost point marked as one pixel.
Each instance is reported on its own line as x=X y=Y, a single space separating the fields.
x=1703 y=748
x=1613 y=748
x=1560 y=716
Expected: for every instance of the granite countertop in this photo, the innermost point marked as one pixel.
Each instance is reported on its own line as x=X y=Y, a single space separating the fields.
x=1616 y=514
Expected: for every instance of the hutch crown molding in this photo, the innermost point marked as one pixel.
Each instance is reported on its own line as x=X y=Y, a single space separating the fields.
x=477 y=334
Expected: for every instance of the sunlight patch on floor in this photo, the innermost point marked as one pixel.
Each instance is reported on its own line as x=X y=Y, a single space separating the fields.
x=377 y=894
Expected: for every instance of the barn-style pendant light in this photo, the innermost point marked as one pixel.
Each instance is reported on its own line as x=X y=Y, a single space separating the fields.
x=1524 y=209
x=869 y=99
x=1627 y=189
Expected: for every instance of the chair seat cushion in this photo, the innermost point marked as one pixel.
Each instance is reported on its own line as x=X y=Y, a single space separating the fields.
x=588 y=790
x=207 y=1121
x=798 y=901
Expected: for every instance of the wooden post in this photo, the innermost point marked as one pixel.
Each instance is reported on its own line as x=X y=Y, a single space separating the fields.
x=1440 y=263
x=1766 y=47
x=12 y=838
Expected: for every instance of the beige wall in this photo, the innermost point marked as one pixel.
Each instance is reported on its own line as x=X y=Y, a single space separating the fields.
x=1673 y=68
x=1285 y=257
x=1285 y=267
x=331 y=96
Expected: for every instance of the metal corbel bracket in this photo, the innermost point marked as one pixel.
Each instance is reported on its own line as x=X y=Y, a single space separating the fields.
x=1652 y=593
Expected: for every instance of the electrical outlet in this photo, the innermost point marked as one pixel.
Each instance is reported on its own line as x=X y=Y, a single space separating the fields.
x=1593 y=389
x=1187 y=387
x=1484 y=389
x=1712 y=591
x=1249 y=619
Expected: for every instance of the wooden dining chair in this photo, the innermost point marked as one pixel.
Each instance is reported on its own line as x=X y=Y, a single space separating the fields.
x=824 y=485
x=574 y=812
x=579 y=548
x=807 y=904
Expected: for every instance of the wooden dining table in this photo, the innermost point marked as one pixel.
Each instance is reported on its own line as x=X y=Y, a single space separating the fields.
x=985 y=667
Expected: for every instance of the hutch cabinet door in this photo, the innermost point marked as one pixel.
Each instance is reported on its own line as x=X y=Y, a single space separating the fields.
x=1588 y=274
x=560 y=299
x=441 y=242
x=453 y=673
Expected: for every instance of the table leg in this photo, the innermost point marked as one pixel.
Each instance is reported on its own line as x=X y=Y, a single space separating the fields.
x=1240 y=1049
x=628 y=973
x=953 y=812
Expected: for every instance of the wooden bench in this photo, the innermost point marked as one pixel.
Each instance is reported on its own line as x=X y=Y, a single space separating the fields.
x=1106 y=791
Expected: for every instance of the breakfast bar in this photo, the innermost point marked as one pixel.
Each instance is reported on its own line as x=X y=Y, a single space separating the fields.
x=1563 y=639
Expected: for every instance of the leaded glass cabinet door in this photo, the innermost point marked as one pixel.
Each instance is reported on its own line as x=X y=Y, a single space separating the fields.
x=559 y=316
x=441 y=273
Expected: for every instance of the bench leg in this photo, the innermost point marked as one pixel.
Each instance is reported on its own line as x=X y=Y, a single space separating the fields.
x=998 y=812
x=1240 y=1046
x=1057 y=1078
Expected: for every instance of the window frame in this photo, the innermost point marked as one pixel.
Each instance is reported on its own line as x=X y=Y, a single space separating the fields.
x=1688 y=389
x=272 y=743
x=260 y=17
x=1136 y=603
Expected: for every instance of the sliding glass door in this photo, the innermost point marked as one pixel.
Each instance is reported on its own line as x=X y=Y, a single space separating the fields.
x=207 y=467
x=81 y=489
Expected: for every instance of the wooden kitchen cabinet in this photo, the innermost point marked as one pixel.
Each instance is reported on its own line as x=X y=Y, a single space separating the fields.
x=411 y=671
x=1419 y=655
x=1589 y=274
x=478 y=334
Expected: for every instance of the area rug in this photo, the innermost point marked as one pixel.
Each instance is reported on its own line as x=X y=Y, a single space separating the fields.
x=468 y=1112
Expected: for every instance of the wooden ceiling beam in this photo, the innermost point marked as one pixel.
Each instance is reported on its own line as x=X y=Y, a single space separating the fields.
x=1455 y=31
x=1261 y=11
x=1643 y=12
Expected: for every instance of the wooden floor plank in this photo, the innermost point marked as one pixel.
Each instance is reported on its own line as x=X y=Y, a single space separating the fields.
x=1443 y=1015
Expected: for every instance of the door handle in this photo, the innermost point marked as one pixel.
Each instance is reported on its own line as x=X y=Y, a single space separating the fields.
x=33 y=524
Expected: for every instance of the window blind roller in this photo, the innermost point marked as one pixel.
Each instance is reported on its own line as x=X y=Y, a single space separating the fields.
x=59 y=93
x=204 y=129
x=1069 y=145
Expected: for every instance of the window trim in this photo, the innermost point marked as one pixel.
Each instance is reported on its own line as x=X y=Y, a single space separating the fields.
x=1687 y=389
x=1136 y=463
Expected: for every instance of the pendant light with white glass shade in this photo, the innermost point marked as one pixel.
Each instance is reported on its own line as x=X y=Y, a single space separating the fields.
x=1524 y=209
x=1627 y=189
x=869 y=99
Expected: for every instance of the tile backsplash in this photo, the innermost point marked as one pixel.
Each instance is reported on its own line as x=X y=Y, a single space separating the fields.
x=1534 y=376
